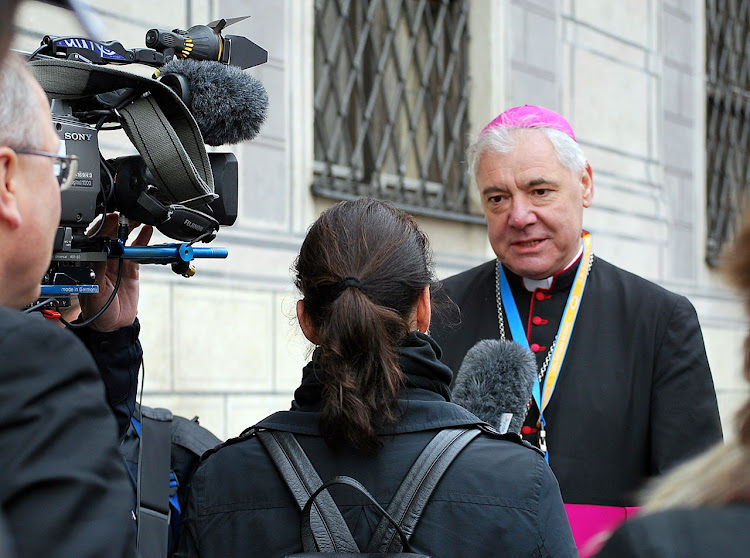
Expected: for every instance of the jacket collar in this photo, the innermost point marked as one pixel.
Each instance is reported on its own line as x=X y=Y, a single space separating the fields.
x=422 y=410
x=419 y=359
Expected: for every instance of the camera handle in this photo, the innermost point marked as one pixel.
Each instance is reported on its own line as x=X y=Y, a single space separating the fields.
x=180 y=256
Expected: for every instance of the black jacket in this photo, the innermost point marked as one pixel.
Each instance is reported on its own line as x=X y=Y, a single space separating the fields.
x=635 y=394
x=697 y=533
x=63 y=488
x=118 y=356
x=499 y=497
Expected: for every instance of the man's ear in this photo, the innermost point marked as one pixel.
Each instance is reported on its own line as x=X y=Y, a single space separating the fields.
x=587 y=181
x=424 y=310
x=10 y=215
x=306 y=323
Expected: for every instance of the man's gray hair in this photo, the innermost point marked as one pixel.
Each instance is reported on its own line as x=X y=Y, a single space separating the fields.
x=19 y=125
x=503 y=139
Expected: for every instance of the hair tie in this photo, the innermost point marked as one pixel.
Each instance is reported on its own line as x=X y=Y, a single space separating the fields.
x=349 y=282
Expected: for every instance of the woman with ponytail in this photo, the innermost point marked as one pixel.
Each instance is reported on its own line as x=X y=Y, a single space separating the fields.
x=702 y=508
x=372 y=397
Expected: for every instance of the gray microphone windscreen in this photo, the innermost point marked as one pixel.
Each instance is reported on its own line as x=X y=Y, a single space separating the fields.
x=495 y=378
x=228 y=104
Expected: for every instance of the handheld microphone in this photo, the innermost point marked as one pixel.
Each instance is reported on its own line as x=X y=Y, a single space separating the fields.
x=228 y=105
x=495 y=380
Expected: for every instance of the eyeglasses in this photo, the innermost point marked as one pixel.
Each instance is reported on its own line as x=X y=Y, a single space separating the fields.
x=65 y=166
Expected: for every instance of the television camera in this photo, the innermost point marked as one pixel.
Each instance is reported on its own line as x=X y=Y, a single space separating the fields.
x=173 y=183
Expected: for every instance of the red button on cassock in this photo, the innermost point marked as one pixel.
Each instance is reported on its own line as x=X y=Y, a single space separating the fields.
x=540 y=295
x=538 y=320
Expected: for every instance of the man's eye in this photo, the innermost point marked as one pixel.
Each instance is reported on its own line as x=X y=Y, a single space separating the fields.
x=497 y=199
x=541 y=192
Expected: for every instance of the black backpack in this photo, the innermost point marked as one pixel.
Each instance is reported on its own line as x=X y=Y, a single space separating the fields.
x=161 y=453
x=324 y=530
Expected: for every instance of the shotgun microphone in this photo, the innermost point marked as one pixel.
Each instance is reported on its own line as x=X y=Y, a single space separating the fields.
x=228 y=105
x=494 y=382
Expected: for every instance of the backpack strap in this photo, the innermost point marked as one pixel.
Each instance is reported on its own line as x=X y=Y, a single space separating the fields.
x=407 y=505
x=152 y=504
x=308 y=539
x=329 y=529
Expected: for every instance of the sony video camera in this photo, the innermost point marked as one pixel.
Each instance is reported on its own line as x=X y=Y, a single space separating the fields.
x=198 y=95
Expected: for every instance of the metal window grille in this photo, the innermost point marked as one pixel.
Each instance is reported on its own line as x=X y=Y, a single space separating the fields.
x=728 y=120
x=391 y=94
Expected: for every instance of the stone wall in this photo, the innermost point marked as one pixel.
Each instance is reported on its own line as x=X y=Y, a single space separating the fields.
x=224 y=344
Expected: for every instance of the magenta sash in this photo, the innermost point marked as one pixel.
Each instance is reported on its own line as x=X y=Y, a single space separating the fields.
x=591 y=525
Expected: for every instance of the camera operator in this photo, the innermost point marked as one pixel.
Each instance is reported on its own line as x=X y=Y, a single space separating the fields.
x=64 y=489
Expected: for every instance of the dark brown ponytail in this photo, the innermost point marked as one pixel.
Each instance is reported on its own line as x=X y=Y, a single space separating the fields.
x=361 y=269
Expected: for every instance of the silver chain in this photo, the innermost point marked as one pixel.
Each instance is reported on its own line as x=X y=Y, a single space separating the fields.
x=501 y=319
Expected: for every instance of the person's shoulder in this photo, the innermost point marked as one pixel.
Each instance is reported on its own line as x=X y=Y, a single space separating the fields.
x=34 y=349
x=19 y=330
x=479 y=270
x=504 y=468
x=676 y=532
x=510 y=443
x=731 y=516
x=10 y=318
x=507 y=453
x=615 y=275
x=231 y=455
x=470 y=276
x=247 y=445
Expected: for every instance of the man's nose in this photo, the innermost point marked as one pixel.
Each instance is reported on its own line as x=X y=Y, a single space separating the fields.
x=522 y=212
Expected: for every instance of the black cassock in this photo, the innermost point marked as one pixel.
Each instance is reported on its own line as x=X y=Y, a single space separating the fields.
x=635 y=394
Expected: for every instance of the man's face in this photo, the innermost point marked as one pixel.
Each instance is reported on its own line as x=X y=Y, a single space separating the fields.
x=533 y=206
x=38 y=195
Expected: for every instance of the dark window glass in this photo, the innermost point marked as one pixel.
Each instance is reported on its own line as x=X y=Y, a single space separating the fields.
x=728 y=120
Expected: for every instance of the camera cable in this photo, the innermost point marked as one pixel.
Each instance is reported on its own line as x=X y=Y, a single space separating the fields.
x=103 y=308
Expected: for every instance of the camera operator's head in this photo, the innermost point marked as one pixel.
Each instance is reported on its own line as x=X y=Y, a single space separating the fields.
x=31 y=173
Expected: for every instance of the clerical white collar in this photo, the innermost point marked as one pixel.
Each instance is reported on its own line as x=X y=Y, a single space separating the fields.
x=533 y=284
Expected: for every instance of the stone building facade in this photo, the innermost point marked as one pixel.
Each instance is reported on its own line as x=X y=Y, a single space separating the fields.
x=630 y=77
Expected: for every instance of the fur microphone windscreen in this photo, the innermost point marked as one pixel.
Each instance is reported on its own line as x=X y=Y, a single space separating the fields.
x=228 y=105
x=496 y=378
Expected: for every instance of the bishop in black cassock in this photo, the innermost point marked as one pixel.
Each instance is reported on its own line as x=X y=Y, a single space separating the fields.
x=634 y=395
